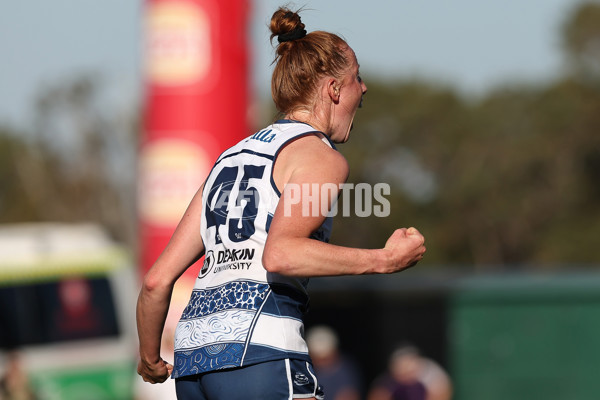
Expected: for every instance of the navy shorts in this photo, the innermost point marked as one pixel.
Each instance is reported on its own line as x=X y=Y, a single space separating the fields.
x=272 y=380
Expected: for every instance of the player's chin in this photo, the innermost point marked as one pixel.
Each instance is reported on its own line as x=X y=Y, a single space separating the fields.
x=347 y=137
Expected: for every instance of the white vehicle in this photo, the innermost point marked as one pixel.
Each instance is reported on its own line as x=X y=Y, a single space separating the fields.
x=67 y=310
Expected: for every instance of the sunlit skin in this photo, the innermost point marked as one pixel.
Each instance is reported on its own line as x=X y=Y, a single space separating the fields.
x=351 y=92
x=336 y=103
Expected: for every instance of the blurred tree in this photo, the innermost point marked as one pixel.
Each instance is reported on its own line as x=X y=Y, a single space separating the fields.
x=493 y=182
x=14 y=202
x=581 y=40
x=506 y=180
x=421 y=140
x=78 y=164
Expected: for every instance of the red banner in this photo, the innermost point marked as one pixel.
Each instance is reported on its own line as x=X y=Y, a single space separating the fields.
x=196 y=102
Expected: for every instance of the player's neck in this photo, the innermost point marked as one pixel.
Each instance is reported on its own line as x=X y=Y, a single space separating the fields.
x=311 y=119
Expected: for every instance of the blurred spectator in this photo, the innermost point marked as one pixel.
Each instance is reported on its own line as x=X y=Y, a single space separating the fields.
x=337 y=373
x=14 y=384
x=411 y=376
x=436 y=380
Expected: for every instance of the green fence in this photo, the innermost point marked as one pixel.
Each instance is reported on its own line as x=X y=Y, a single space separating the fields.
x=109 y=382
x=525 y=337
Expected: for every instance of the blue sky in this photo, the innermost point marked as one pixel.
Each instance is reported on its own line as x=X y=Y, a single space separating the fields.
x=471 y=44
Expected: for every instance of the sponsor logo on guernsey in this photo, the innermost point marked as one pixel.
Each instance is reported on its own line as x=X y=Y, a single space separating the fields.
x=209 y=261
x=236 y=259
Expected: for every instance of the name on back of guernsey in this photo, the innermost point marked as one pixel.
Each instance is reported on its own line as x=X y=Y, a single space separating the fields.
x=264 y=136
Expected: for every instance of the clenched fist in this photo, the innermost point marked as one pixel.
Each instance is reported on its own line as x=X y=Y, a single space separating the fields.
x=154 y=372
x=405 y=248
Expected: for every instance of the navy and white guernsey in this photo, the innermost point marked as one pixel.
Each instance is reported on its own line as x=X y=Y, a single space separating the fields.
x=238 y=313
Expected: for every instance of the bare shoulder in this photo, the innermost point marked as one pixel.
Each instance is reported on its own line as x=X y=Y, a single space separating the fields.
x=311 y=150
x=310 y=153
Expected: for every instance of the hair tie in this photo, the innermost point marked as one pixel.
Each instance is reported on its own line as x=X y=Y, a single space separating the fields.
x=295 y=34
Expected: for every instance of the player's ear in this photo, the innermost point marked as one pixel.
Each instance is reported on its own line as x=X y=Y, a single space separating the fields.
x=333 y=89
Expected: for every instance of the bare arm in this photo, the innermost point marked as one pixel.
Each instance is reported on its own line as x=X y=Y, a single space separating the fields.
x=290 y=251
x=184 y=248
